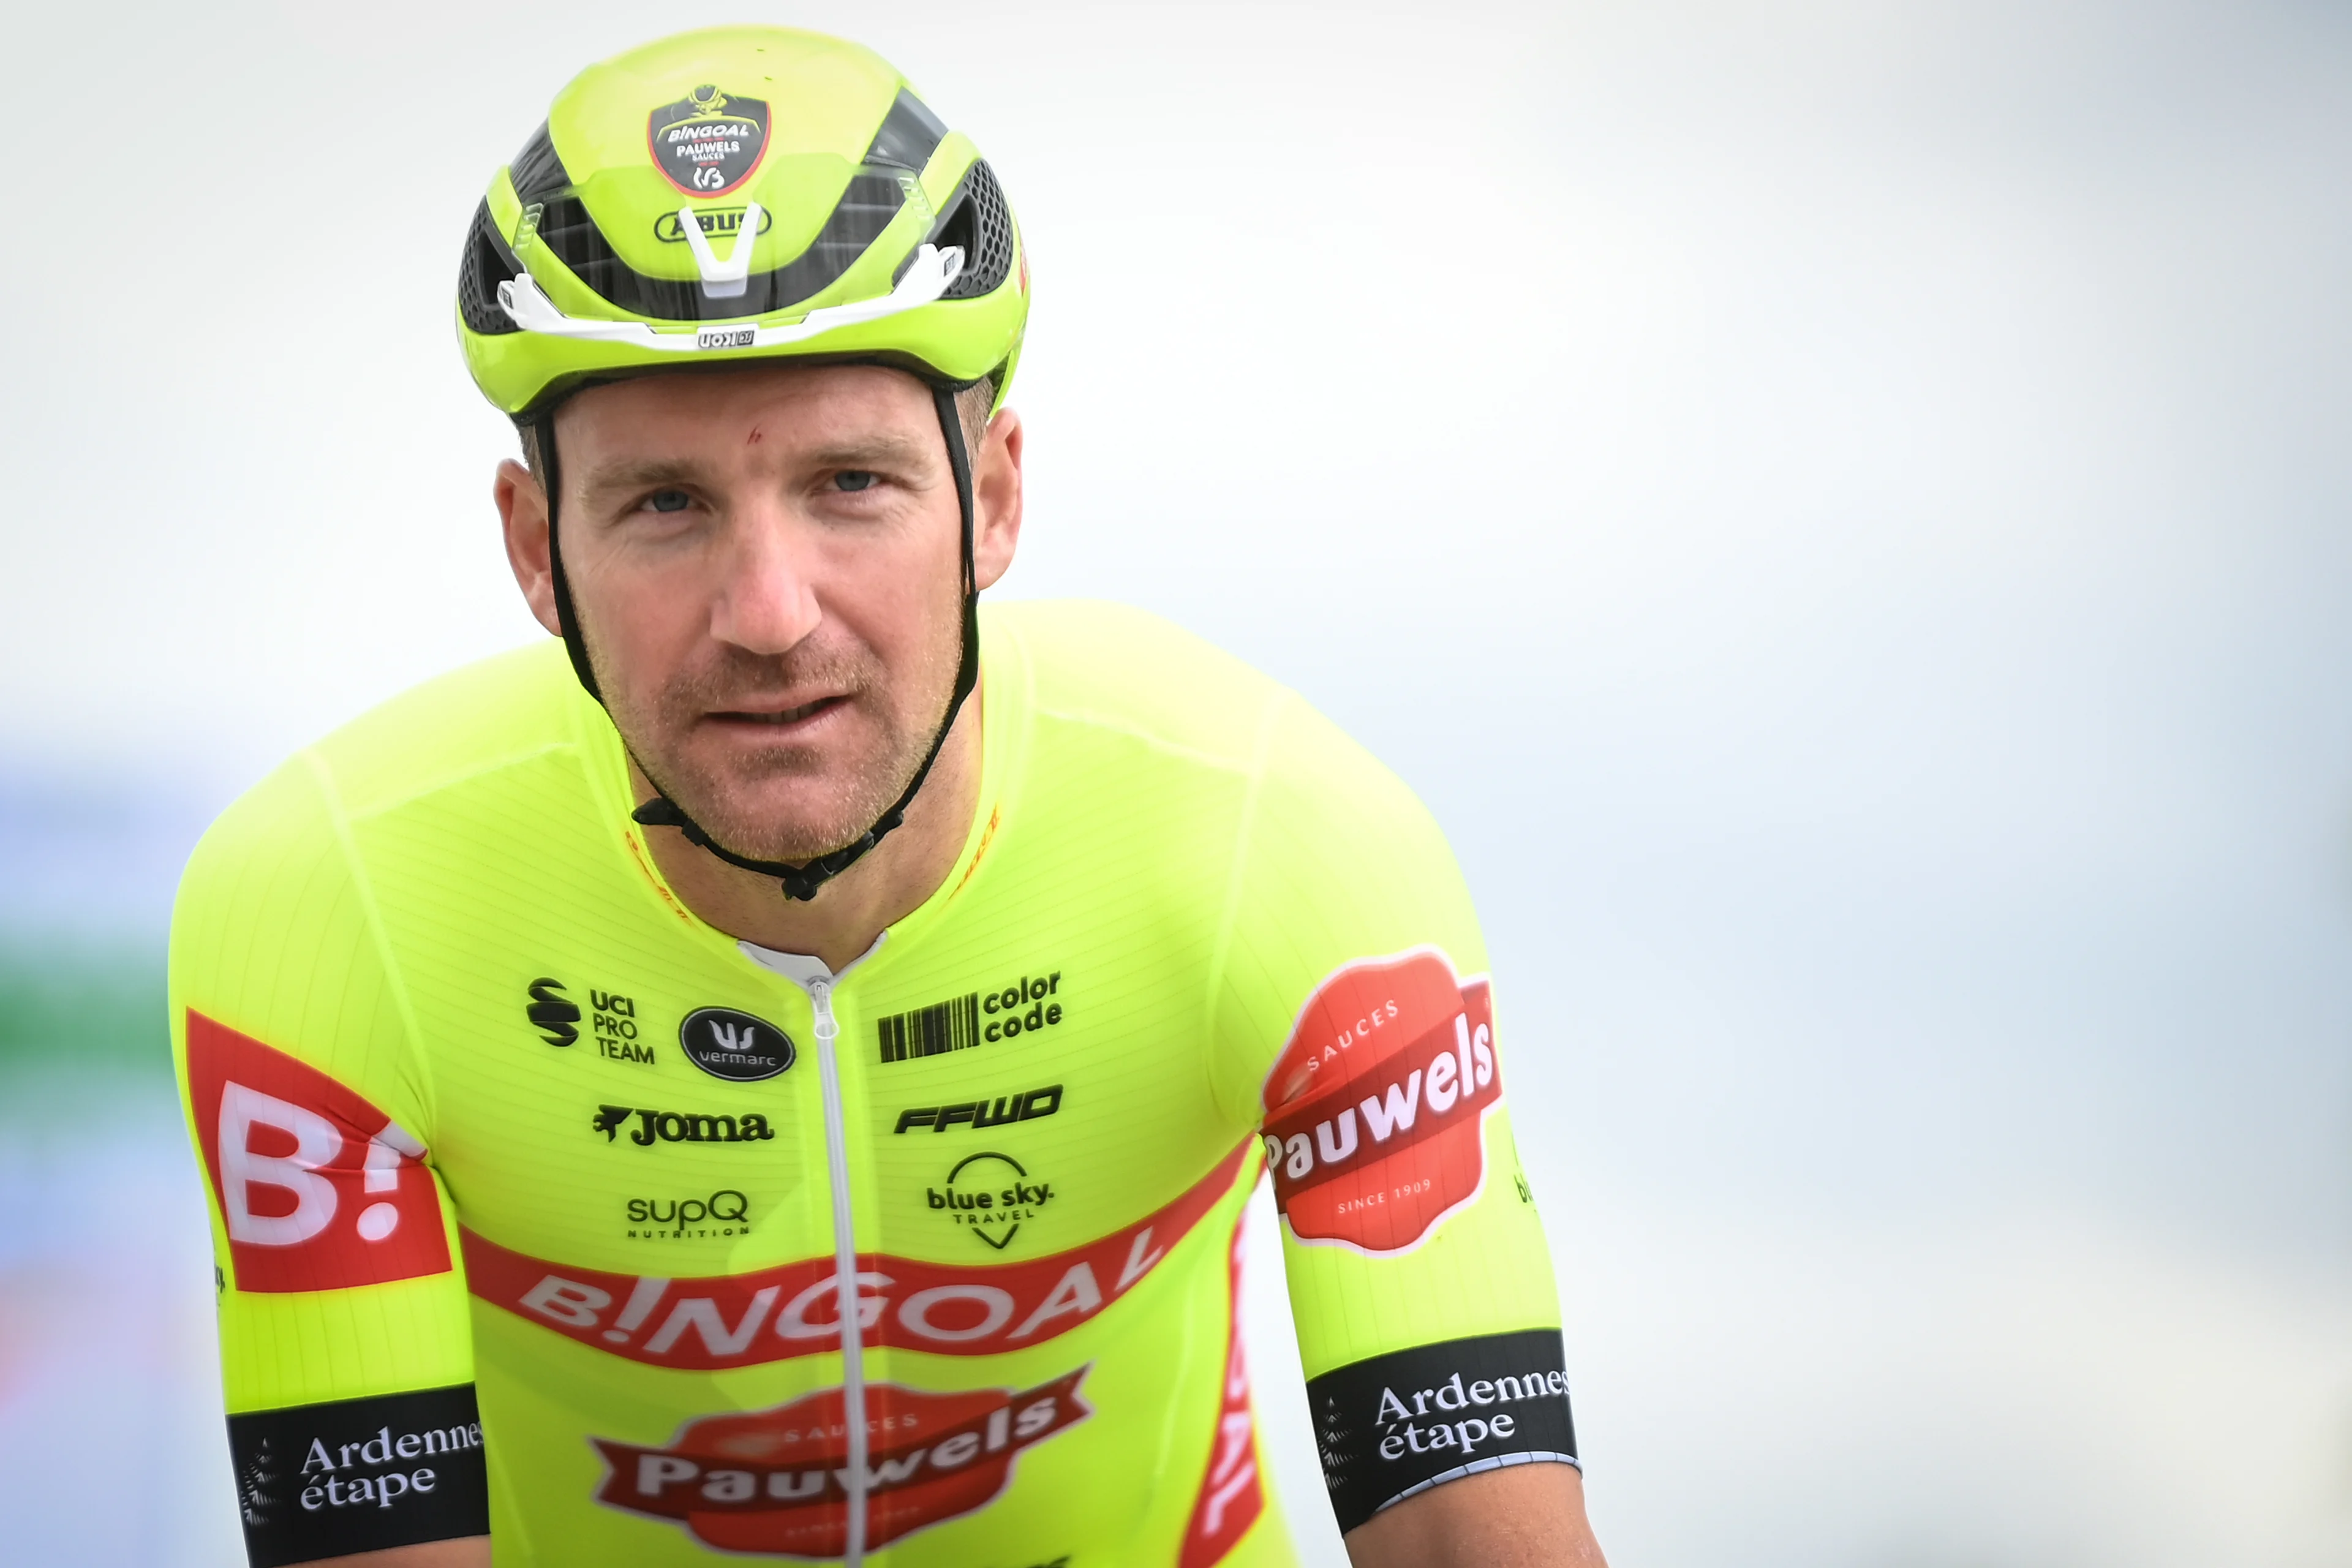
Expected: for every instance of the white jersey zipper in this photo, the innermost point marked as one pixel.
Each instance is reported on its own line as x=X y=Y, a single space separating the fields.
x=847 y=1295
x=813 y=976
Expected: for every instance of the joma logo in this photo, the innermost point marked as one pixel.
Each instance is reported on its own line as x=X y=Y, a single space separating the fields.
x=680 y=1127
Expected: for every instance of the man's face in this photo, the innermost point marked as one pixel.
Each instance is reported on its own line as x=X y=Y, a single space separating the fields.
x=767 y=569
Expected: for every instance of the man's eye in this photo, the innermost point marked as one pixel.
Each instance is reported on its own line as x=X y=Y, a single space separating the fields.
x=668 y=500
x=855 y=479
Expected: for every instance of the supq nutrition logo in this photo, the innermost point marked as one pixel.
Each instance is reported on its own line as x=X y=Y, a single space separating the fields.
x=1375 y=1110
x=775 y=1481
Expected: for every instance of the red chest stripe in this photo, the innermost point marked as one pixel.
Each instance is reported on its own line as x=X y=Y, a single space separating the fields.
x=793 y=1308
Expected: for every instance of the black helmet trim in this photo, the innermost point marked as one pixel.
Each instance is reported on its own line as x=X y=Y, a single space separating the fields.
x=907 y=137
x=486 y=264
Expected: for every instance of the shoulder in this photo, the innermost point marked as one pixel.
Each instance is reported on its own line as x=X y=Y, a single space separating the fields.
x=1315 y=791
x=288 y=829
x=1090 y=662
x=498 y=710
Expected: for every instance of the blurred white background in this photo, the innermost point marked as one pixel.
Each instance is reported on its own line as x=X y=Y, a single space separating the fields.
x=1841 y=510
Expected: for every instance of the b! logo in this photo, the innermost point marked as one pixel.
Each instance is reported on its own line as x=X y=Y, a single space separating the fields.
x=1376 y=1109
x=772 y=1482
x=317 y=1188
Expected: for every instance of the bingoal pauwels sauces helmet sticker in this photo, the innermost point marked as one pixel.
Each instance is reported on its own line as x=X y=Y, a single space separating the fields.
x=708 y=142
x=1376 y=1109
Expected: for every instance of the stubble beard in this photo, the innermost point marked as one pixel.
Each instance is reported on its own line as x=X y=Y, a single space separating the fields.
x=730 y=792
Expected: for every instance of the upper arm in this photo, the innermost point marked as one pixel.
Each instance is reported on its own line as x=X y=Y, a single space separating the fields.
x=345 y=1348
x=1356 y=1024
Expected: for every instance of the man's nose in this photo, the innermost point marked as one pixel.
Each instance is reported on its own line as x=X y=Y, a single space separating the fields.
x=766 y=600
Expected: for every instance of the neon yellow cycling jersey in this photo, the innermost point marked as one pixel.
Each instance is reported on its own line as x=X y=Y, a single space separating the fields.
x=526 y=1185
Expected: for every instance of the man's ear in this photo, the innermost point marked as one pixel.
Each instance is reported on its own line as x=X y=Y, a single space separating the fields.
x=996 y=499
x=523 y=510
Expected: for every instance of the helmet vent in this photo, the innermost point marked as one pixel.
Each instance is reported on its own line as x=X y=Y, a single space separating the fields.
x=537 y=173
x=865 y=209
x=979 y=221
x=486 y=264
x=909 y=136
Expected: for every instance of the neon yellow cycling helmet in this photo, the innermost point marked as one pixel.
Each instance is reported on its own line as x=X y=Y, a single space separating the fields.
x=738 y=193
x=856 y=226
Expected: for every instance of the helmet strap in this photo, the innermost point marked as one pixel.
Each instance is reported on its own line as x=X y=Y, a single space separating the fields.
x=566 y=617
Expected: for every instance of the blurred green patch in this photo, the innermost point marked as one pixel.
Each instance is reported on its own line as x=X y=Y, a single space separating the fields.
x=83 y=1009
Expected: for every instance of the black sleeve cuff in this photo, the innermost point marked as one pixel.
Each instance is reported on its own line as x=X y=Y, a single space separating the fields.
x=360 y=1475
x=1399 y=1423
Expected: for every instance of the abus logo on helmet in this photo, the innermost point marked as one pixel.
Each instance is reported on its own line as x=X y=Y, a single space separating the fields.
x=774 y=1480
x=1376 y=1109
x=716 y=221
x=318 y=1189
x=734 y=1046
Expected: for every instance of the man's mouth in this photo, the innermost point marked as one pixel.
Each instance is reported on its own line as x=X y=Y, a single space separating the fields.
x=780 y=717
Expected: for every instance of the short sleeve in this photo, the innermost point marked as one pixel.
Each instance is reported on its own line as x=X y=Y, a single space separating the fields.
x=1357 y=1025
x=345 y=1346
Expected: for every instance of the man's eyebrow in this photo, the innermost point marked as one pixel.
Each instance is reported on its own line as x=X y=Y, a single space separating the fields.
x=872 y=452
x=880 y=451
x=637 y=473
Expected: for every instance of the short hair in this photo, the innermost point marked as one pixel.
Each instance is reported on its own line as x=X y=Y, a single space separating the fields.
x=972 y=406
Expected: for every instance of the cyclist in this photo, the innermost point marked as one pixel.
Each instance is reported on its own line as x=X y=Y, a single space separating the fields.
x=777 y=1070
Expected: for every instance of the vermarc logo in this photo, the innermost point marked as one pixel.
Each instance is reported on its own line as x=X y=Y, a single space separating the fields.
x=734 y=1046
x=680 y=1127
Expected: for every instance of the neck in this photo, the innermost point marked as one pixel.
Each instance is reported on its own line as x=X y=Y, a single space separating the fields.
x=848 y=913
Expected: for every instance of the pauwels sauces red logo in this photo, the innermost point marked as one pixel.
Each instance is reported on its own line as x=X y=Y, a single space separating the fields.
x=319 y=1189
x=775 y=1481
x=1376 y=1109
x=794 y=1309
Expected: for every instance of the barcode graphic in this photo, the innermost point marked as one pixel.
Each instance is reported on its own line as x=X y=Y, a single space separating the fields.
x=929 y=1031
